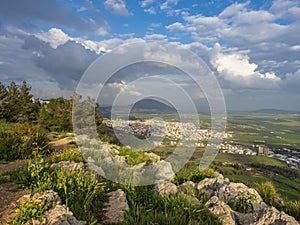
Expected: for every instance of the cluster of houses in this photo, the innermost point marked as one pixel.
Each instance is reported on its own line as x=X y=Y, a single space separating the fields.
x=196 y=137
x=170 y=130
x=292 y=160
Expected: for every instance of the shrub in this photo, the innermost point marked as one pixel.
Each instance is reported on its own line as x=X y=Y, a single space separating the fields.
x=19 y=140
x=31 y=209
x=147 y=208
x=269 y=194
x=293 y=208
x=195 y=175
x=82 y=193
x=244 y=202
x=72 y=154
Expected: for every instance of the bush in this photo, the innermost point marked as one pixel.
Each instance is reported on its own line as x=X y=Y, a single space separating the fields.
x=147 y=208
x=31 y=209
x=269 y=194
x=72 y=154
x=17 y=141
x=81 y=192
x=195 y=175
x=293 y=208
x=244 y=203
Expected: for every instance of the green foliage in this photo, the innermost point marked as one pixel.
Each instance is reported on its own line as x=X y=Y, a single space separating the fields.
x=293 y=208
x=133 y=157
x=269 y=194
x=82 y=193
x=17 y=104
x=18 y=141
x=195 y=175
x=244 y=202
x=38 y=176
x=31 y=209
x=147 y=208
x=73 y=155
x=57 y=115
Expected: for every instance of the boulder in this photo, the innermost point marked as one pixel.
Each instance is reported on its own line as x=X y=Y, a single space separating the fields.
x=268 y=215
x=60 y=215
x=163 y=171
x=221 y=210
x=117 y=205
x=231 y=192
x=165 y=188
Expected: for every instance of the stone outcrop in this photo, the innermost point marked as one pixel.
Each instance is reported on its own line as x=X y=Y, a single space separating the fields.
x=222 y=191
x=165 y=188
x=231 y=192
x=117 y=205
x=221 y=210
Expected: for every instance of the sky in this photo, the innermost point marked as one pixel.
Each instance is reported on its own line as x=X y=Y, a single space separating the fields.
x=252 y=47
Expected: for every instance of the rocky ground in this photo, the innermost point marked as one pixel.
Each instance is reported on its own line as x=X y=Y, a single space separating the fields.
x=222 y=193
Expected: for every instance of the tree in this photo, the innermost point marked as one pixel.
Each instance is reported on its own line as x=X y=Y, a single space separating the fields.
x=3 y=100
x=57 y=115
x=30 y=108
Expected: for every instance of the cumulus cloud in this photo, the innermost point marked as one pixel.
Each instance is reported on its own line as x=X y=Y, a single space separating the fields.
x=175 y=26
x=236 y=69
x=27 y=13
x=156 y=37
x=65 y=64
x=117 y=7
x=54 y=37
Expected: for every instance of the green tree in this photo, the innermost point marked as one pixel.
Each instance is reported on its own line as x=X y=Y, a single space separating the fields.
x=3 y=101
x=57 y=115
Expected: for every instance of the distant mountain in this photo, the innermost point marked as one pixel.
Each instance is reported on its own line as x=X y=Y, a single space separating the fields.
x=152 y=106
x=276 y=111
x=146 y=106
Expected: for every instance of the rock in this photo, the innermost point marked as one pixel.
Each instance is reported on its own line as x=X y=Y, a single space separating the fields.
x=229 y=191
x=116 y=207
x=221 y=210
x=60 y=215
x=163 y=171
x=239 y=191
x=153 y=157
x=165 y=188
x=49 y=196
x=96 y=169
x=188 y=187
x=268 y=215
x=71 y=167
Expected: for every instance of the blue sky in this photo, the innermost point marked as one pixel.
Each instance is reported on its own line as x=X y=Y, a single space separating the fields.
x=253 y=47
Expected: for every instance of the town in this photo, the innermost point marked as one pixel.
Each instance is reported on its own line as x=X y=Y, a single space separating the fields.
x=183 y=134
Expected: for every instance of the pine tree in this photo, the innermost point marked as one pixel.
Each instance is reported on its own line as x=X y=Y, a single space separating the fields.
x=3 y=101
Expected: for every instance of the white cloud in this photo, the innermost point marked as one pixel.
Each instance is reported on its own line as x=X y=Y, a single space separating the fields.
x=236 y=68
x=175 y=26
x=145 y=3
x=167 y=4
x=122 y=87
x=55 y=37
x=151 y=11
x=117 y=7
x=102 y=31
x=156 y=37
